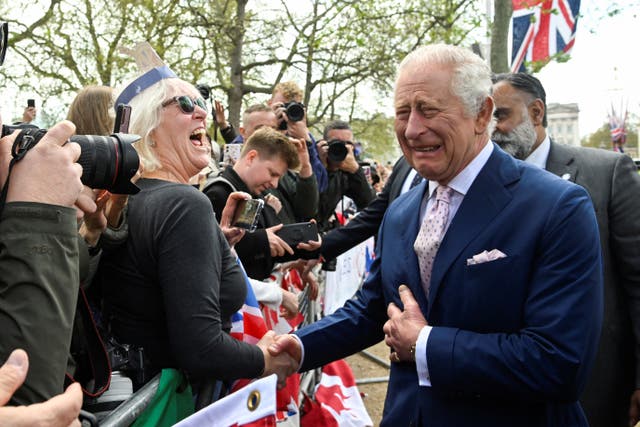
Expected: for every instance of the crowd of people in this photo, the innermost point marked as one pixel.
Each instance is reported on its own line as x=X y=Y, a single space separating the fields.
x=507 y=294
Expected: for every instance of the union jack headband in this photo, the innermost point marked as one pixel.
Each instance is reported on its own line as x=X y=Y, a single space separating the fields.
x=149 y=78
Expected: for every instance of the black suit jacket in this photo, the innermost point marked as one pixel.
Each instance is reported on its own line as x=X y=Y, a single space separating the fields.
x=367 y=222
x=612 y=181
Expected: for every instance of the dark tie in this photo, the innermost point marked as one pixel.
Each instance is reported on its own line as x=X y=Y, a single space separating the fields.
x=417 y=179
x=430 y=234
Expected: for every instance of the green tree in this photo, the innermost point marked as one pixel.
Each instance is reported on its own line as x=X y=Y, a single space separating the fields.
x=601 y=138
x=334 y=48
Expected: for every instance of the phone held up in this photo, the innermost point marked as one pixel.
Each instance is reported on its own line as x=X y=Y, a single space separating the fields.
x=246 y=214
x=31 y=103
x=123 y=114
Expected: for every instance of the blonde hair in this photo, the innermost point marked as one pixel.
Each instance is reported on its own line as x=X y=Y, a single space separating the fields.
x=146 y=108
x=92 y=111
x=290 y=90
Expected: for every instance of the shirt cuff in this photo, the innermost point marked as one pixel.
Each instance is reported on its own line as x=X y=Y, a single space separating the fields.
x=421 y=357
x=301 y=350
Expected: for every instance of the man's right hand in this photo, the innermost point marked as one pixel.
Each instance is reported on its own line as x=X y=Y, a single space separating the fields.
x=281 y=364
x=287 y=344
x=277 y=246
x=48 y=173
x=59 y=411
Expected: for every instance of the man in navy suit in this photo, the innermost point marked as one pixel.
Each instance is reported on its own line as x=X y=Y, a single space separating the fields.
x=505 y=330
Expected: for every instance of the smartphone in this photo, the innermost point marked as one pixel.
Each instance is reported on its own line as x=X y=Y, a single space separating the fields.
x=367 y=173
x=298 y=232
x=231 y=153
x=123 y=114
x=31 y=103
x=246 y=214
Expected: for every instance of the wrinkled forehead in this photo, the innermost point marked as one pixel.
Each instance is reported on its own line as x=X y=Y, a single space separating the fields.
x=261 y=118
x=341 y=134
x=179 y=87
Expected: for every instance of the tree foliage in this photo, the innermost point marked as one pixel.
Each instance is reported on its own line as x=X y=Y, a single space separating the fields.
x=343 y=53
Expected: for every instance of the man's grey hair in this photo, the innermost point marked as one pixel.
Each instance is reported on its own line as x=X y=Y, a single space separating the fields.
x=334 y=125
x=471 y=80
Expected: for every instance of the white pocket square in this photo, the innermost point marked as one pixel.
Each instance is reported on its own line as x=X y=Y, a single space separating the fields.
x=485 y=256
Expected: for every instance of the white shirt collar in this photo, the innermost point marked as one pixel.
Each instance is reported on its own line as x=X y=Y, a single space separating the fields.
x=462 y=182
x=540 y=155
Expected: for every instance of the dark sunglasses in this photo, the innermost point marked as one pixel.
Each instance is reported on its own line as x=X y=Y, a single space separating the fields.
x=187 y=105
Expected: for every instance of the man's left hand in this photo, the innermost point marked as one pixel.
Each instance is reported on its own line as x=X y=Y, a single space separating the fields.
x=350 y=164
x=403 y=327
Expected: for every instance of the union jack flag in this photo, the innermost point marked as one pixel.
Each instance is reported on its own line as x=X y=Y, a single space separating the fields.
x=541 y=29
x=618 y=128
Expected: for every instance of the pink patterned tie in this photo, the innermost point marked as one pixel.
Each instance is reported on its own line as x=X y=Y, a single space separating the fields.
x=430 y=234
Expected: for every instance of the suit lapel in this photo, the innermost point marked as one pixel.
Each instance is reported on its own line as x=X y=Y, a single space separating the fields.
x=409 y=231
x=396 y=186
x=560 y=163
x=486 y=197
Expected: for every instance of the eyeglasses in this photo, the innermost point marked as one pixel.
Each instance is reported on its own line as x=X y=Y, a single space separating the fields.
x=187 y=105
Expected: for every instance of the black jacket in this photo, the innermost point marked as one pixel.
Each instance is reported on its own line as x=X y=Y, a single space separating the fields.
x=367 y=222
x=253 y=249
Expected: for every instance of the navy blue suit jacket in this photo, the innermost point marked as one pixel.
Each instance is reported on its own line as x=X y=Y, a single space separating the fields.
x=512 y=339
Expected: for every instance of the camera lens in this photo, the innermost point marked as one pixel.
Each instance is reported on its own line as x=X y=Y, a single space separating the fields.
x=108 y=162
x=337 y=150
x=295 y=111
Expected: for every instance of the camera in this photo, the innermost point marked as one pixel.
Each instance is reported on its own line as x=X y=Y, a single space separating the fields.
x=294 y=111
x=108 y=162
x=204 y=89
x=337 y=150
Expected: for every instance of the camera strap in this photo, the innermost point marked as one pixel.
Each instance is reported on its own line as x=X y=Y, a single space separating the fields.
x=19 y=149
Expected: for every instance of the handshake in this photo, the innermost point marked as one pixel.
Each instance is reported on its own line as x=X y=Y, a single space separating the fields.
x=282 y=355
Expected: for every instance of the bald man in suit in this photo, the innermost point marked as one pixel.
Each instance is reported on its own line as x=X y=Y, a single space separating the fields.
x=612 y=181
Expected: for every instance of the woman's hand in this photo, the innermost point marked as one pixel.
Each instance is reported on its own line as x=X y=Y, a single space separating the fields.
x=232 y=234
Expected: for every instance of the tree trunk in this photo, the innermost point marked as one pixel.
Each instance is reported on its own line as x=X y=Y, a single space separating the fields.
x=500 y=35
x=236 y=92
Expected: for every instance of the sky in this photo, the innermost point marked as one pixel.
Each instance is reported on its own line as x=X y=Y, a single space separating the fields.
x=604 y=68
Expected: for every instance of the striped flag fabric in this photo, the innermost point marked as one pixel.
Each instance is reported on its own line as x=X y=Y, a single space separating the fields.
x=540 y=29
x=337 y=401
x=248 y=325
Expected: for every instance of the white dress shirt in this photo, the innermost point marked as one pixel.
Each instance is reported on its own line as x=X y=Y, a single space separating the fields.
x=540 y=155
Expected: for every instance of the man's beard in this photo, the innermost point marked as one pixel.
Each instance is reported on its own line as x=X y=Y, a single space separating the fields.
x=519 y=141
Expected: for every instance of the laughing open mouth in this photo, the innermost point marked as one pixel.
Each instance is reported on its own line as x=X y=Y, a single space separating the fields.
x=198 y=137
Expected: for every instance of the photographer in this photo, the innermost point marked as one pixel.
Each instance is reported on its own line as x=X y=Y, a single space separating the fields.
x=346 y=176
x=286 y=102
x=39 y=257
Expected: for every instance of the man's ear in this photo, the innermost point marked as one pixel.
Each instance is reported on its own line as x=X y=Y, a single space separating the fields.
x=250 y=156
x=484 y=116
x=536 y=112
x=241 y=130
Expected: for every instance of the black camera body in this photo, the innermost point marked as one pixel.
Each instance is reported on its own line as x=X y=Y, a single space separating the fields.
x=337 y=150
x=294 y=111
x=108 y=162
